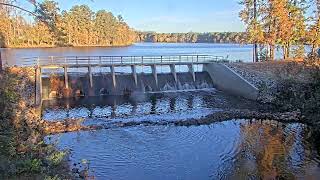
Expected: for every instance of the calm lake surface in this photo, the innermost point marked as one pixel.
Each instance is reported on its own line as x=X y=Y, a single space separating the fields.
x=232 y=51
x=232 y=149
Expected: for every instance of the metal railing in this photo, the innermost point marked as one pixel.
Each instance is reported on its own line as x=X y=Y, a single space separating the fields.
x=118 y=60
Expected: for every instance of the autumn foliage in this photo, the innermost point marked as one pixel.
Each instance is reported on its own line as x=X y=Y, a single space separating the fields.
x=282 y=23
x=80 y=26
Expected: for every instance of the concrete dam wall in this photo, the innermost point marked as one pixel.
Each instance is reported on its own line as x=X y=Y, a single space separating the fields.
x=113 y=81
x=121 y=84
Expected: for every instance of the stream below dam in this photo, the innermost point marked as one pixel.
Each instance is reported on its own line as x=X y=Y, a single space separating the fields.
x=228 y=149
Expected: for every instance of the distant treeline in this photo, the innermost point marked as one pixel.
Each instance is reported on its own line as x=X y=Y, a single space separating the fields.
x=80 y=26
x=191 y=37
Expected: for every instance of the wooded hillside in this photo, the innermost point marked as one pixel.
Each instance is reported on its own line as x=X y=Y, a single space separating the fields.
x=80 y=26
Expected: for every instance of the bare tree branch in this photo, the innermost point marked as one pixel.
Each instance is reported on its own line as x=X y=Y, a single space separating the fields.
x=11 y=5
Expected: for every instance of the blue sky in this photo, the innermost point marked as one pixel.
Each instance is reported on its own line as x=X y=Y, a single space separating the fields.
x=170 y=15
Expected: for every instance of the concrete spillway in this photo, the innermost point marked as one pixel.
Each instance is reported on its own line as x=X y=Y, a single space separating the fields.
x=111 y=82
x=79 y=84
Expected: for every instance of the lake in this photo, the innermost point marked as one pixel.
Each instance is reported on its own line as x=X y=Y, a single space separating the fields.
x=231 y=51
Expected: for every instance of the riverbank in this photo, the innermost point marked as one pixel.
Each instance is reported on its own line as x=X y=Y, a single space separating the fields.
x=287 y=85
x=23 y=151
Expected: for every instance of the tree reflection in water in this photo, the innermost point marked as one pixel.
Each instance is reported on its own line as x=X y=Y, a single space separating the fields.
x=272 y=150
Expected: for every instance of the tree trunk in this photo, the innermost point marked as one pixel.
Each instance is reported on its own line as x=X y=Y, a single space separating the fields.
x=69 y=38
x=272 y=52
x=267 y=53
x=285 y=52
x=256 y=58
x=255 y=43
x=313 y=49
x=288 y=50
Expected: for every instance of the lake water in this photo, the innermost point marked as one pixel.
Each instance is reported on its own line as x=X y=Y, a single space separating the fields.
x=232 y=51
x=140 y=139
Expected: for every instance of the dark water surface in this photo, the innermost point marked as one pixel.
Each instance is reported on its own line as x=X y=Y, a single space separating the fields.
x=233 y=149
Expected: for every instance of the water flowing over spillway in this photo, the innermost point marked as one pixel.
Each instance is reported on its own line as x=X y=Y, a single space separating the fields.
x=141 y=106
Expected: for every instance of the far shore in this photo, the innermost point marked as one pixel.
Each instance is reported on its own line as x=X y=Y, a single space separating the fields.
x=112 y=46
x=66 y=46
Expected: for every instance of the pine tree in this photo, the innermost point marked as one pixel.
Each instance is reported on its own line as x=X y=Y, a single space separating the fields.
x=313 y=34
x=251 y=16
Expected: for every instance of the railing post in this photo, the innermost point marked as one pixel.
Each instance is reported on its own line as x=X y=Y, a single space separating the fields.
x=90 y=76
x=99 y=60
x=197 y=58
x=52 y=60
x=113 y=73
x=154 y=72
x=191 y=71
x=161 y=60
x=173 y=72
x=134 y=73
x=77 y=60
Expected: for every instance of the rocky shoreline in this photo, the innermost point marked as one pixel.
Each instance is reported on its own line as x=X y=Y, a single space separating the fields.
x=267 y=76
x=288 y=86
x=71 y=125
